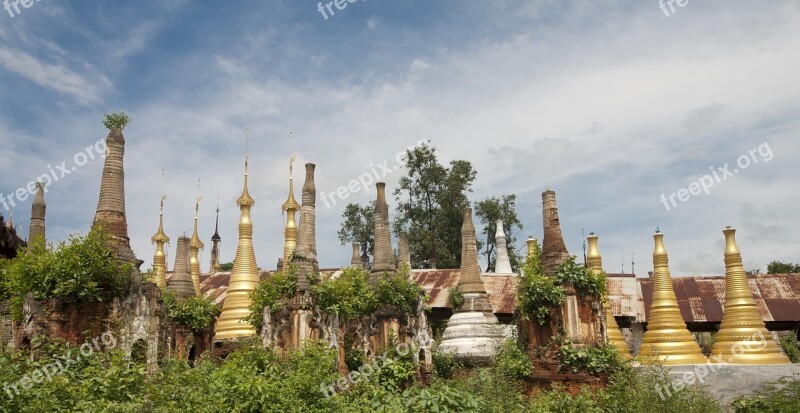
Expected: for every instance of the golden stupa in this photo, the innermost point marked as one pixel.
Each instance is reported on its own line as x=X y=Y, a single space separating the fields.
x=742 y=338
x=290 y=232
x=667 y=339
x=159 y=276
x=195 y=245
x=595 y=263
x=244 y=277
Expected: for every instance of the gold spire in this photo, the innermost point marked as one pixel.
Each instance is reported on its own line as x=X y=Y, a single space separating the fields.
x=595 y=263
x=195 y=245
x=530 y=242
x=742 y=338
x=244 y=276
x=290 y=207
x=667 y=339
x=160 y=238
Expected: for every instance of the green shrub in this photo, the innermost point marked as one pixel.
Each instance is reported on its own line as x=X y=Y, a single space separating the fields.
x=116 y=120
x=791 y=347
x=591 y=359
x=586 y=282
x=778 y=397
x=513 y=362
x=537 y=293
x=271 y=294
x=650 y=389
x=444 y=364
x=455 y=298
x=80 y=271
x=558 y=401
x=196 y=313
x=400 y=292
x=349 y=296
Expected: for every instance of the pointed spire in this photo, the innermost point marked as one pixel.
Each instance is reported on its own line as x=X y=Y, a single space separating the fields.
x=215 y=240
x=181 y=281
x=355 y=259
x=531 y=242
x=160 y=238
x=290 y=207
x=306 y=251
x=595 y=263
x=503 y=262
x=110 y=212
x=742 y=325
x=383 y=260
x=554 y=251
x=667 y=339
x=195 y=245
x=244 y=276
x=470 y=281
x=38 y=212
x=10 y=222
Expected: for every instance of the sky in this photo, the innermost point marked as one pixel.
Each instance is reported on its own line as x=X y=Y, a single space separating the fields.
x=610 y=104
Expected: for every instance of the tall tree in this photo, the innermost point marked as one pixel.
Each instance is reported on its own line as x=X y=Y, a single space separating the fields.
x=488 y=212
x=358 y=225
x=430 y=202
x=779 y=267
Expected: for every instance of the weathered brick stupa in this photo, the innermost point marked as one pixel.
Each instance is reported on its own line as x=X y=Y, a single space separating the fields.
x=38 y=212
x=181 y=281
x=215 y=241
x=403 y=251
x=305 y=255
x=384 y=261
x=473 y=334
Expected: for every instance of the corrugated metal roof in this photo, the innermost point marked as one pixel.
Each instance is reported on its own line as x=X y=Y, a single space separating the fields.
x=699 y=298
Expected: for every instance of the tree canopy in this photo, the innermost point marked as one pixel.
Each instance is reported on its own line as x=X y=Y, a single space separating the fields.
x=488 y=212
x=358 y=225
x=779 y=267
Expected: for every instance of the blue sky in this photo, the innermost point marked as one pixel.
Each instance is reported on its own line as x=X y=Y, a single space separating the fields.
x=610 y=105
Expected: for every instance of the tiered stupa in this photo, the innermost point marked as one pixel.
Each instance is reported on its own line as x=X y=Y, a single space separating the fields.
x=384 y=261
x=195 y=245
x=290 y=208
x=595 y=263
x=554 y=251
x=160 y=258
x=403 y=251
x=215 y=240
x=667 y=339
x=473 y=334
x=181 y=281
x=743 y=337
x=502 y=262
x=305 y=254
x=355 y=259
x=38 y=212
x=244 y=276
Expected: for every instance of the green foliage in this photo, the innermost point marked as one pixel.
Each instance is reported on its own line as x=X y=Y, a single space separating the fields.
x=455 y=298
x=399 y=292
x=778 y=397
x=444 y=364
x=271 y=294
x=582 y=278
x=513 y=362
x=791 y=347
x=358 y=225
x=558 y=401
x=82 y=270
x=537 y=293
x=591 y=359
x=488 y=212
x=226 y=267
x=430 y=200
x=196 y=313
x=349 y=296
x=645 y=390
x=397 y=371
x=116 y=120
x=779 y=267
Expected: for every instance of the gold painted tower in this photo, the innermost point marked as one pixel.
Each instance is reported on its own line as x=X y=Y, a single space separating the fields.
x=595 y=263
x=244 y=277
x=195 y=245
x=667 y=339
x=742 y=338
x=290 y=207
x=160 y=257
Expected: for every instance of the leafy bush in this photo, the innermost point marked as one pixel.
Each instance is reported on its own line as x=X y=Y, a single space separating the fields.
x=349 y=296
x=455 y=298
x=537 y=293
x=513 y=362
x=791 y=347
x=398 y=291
x=591 y=359
x=271 y=292
x=79 y=271
x=196 y=313
x=582 y=278
x=444 y=364
x=558 y=400
x=116 y=120
x=780 y=396
x=645 y=389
